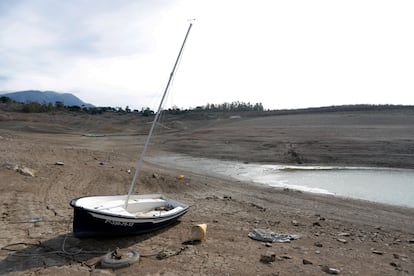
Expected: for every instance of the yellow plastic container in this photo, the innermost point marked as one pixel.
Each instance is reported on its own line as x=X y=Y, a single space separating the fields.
x=198 y=232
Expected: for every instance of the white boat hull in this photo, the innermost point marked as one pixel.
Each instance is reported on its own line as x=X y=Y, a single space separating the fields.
x=106 y=215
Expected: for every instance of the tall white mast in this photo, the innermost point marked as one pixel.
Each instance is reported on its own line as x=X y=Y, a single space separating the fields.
x=141 y=159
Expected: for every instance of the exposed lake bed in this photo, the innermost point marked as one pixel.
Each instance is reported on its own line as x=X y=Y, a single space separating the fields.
x=336 y=234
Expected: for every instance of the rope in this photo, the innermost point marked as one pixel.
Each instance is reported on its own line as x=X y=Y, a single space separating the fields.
x=162 y=254
x=63 y=250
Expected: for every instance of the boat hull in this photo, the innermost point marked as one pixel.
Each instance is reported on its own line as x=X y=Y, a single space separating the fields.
x=90 y=221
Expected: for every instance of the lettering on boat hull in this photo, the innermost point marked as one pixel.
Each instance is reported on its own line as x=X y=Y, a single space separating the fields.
x=119 y=223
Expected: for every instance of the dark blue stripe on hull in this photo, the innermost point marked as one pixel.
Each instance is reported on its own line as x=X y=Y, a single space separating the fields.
x=85 y=225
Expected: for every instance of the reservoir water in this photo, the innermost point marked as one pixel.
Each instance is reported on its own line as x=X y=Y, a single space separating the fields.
x=383 y=185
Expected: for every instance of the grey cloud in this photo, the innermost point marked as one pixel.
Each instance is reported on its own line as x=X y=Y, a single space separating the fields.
x=45 y=35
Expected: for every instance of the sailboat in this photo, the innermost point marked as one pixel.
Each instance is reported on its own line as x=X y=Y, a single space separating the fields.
x=120 y=215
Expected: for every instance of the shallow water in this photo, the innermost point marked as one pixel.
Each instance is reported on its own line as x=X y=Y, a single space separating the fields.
x=383 y=185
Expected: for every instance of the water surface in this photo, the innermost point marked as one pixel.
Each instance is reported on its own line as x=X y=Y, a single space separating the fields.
x=384 y=185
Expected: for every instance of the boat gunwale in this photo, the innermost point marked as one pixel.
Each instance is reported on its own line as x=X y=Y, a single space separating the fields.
x=185 y=208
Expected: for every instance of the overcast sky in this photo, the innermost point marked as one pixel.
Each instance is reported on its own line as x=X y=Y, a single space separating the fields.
x=284 y=54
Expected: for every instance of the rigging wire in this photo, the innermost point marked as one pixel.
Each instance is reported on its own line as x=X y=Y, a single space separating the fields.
x=141 y=159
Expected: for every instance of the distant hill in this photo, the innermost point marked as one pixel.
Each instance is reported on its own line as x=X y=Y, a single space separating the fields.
x=68 y=99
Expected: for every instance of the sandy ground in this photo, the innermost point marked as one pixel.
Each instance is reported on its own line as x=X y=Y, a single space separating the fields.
x=349 y=236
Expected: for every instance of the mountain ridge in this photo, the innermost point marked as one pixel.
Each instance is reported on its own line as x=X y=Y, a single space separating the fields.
x=68 y=99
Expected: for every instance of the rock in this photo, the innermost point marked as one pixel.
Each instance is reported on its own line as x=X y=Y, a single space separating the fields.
x=92 y=262
x=316 y=224
x=59 y=163
x=342 y=240
x=306 y=262
x=295 y=223
x=25 y=171
x=287 y=257
x=268 y=244
x=397 y=266
x=377 y=252
x=318 y=244
x=344 y=234
x=330 y=270
x=268 y=257
x=317 y=252
x=400 y=257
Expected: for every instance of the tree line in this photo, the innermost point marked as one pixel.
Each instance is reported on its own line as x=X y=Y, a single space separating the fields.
x=235 y=106
x=35 y=107
x=9 y=104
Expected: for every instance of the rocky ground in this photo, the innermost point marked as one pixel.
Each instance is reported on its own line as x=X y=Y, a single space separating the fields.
x=46 y=160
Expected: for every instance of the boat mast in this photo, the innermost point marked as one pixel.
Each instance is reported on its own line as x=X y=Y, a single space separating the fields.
x=141 y=159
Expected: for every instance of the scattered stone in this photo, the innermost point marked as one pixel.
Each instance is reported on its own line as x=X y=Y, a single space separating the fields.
x=268 y=257
x=286 y=257
x=377 y=252
x=25 y=171
x=318 y=244
x=316 y=224
x=268 y=244
x=261 y=208
x=156 y=176
x=344 y=234
x=306 y=262
x=10 y=166
x=169 y=252
x=342 y=240
x=400 y=257
x=397 y=266
x=295 y=223
x=330 y=270
x=317 y=252
x=91 y=263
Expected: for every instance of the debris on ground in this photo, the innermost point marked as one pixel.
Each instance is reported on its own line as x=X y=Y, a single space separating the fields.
x=268 y=257
x=119 y=258
x=269 y=236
